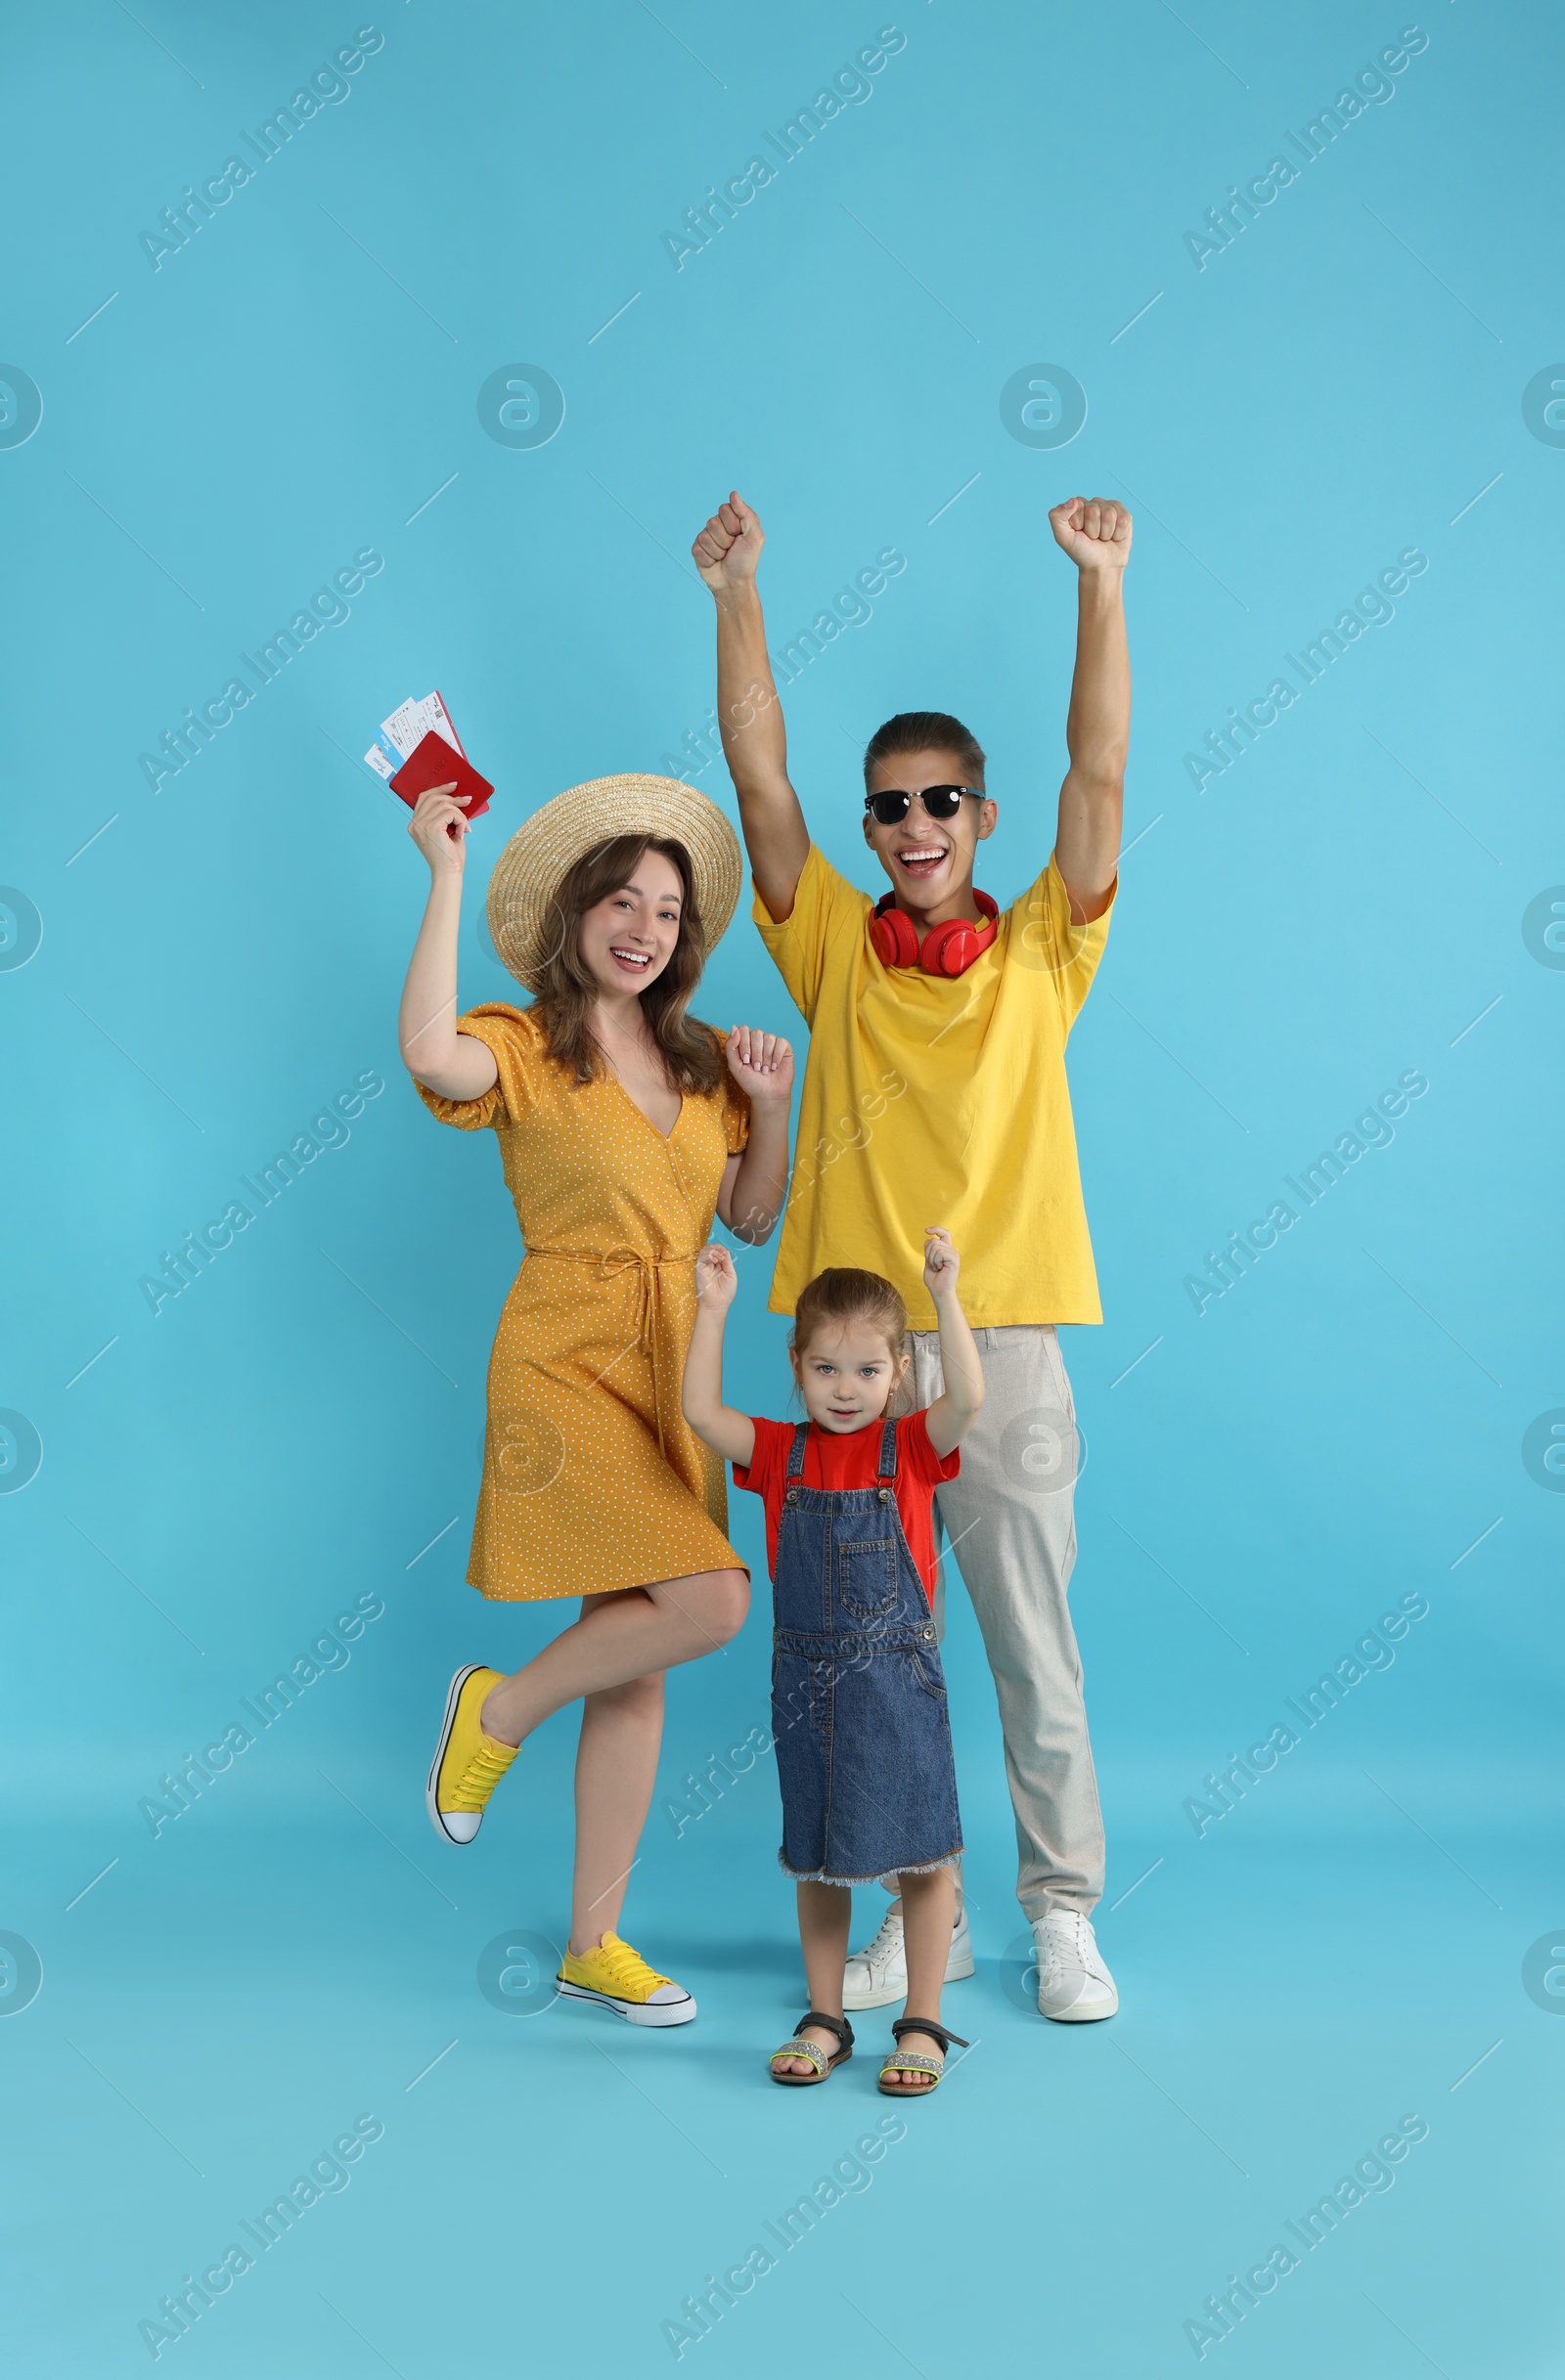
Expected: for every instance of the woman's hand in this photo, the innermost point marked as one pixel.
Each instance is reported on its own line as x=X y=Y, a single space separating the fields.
x=716 y=1280
x=439 y=828
x=761 y=1063
x=754 y=1184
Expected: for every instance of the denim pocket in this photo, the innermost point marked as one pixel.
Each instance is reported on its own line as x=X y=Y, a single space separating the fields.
x=867 y=1577
x=932 y=1685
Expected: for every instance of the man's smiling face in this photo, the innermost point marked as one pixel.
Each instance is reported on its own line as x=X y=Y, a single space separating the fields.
x=929 y=860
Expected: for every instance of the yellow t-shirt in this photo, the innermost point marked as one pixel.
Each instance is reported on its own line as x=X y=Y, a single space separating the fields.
x=933 y=1099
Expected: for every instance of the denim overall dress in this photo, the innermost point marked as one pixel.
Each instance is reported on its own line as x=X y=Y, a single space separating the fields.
x=858 y=1691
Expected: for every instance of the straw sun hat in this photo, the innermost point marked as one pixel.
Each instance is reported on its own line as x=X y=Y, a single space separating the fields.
x=530 y=870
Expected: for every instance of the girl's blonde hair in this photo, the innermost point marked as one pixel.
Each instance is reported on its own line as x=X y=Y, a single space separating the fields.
x=844 y=1294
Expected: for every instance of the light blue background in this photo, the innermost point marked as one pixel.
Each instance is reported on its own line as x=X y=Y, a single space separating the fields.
x=1346 y=381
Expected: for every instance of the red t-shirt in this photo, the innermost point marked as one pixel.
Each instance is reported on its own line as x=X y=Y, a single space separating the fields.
x=853 y=1461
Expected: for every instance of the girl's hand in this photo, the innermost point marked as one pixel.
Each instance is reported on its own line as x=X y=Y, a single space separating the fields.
x=953 y=1412
x=941 y=1262
x=716 y=1281
x=762 y=1063
x=439 y=828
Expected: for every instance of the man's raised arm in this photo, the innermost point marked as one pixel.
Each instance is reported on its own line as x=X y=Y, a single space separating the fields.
x=1096 y=535
x=749 y=714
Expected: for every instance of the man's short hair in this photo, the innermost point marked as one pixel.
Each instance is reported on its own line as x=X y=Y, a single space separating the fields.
x=925 y=732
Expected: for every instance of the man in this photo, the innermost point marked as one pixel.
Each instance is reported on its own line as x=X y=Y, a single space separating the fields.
x=937 y=1093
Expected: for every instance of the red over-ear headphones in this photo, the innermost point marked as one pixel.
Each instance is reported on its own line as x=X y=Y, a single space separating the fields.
x=948 y=949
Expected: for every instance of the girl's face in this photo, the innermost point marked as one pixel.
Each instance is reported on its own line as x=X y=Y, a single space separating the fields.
x=629 y=938
x=846 y=1375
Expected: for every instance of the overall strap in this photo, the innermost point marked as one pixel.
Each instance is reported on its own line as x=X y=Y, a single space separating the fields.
x=888 y=1453
x=796 y=1469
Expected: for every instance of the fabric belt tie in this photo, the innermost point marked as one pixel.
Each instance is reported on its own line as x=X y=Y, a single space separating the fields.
x=611 y=1264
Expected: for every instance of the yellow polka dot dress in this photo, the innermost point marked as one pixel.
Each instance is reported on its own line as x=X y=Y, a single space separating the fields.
x=592 y=1477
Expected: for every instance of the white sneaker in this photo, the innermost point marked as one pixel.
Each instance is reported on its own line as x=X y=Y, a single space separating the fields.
x=877 y=1975
x=1074 y=1985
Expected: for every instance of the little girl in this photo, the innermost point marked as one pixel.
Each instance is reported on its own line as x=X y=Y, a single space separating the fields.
x=858 y=1691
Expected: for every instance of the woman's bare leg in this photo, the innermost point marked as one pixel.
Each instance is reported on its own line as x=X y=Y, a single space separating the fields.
x=627 y=1634
x=616 y=1763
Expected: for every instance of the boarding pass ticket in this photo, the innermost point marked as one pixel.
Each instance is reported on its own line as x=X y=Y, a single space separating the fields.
x=398 y=738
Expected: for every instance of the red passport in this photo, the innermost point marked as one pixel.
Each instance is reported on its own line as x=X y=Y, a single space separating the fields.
x=432 y=762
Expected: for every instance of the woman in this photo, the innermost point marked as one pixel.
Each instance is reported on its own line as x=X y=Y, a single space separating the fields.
x=623 y=1124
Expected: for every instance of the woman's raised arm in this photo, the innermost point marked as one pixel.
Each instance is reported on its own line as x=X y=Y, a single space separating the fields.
x=755 y=1184
x=455 y=1065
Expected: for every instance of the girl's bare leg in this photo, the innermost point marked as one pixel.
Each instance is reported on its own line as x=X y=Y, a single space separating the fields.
x=628 y=1634
x=893 y=1885
x=616 y=1763
x=826 y=1913
x=928 y=1912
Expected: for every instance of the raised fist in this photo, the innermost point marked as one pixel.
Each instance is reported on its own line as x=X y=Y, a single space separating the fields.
x=716 y=1281
x=941 y=1261
x=1094 y=530
x=729 y=548
x=761 y=1063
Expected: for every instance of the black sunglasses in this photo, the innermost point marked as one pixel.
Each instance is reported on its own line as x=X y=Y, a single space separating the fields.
x=939 y=801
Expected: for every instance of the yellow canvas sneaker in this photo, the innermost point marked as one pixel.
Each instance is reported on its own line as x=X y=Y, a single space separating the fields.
x=619 y=1979
x=467 y=1764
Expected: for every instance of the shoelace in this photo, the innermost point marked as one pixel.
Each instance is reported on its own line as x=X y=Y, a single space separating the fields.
x=1056 y=1952
x=482 y=1774
x=627 y=1966
x=1081 y=1947
x=889 y=1936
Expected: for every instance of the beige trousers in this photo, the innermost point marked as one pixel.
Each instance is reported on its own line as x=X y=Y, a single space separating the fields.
x=1009 y=1521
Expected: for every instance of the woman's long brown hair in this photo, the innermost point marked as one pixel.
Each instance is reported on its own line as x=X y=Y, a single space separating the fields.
x=567 y=992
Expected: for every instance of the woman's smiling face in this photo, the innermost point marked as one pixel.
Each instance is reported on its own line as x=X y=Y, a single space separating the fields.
x=629 y=937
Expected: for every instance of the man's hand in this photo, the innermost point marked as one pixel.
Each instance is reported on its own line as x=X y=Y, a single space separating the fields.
x=729 y=548
x=749 y=716
x=1094 y=530
x=1096 y=535
x=716 y=1280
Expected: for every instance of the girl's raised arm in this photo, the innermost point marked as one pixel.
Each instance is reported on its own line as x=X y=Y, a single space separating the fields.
x=729 y=1433
x=951 y=1416
x=455 y=1065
